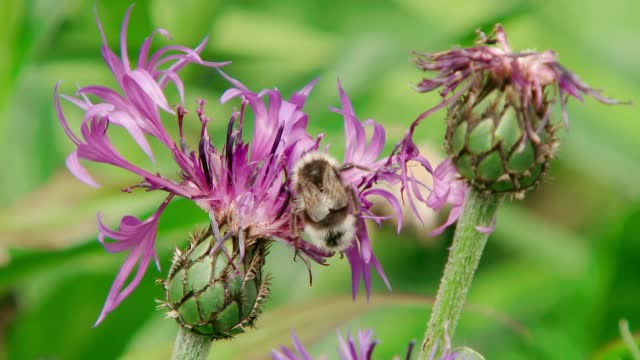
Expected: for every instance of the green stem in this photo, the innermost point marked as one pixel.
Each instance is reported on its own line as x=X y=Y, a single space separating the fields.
x=191 y=346
x=464 y=256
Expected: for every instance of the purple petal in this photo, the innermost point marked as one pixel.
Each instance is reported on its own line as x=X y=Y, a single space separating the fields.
x=150 y=88
x=108 y=95
x=62 y=118
x=287 y=354
x=275 y=355
x=366 y=278
x=344 y=349
x=74 y=166
x=125 y=120
x=357 y=266
x=230 y=94
x=116 y=294
x=376 y=264
x=392 y=200
x=175 y=79
x=487 y=229
x=453 y=216
x=139 y=237
x=375 y=146
x=353 y=130
x=299 y=98
x=110 y=58
x=144 y=49
x=364 y=241
x=123 y=39
x=233 y=81
x=300 y=348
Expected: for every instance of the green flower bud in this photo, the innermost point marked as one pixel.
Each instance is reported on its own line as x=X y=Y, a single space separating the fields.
x=489 y=140
x=208 y=292
x=501 y=126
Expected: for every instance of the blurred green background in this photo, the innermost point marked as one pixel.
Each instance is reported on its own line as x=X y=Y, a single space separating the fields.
x=558 y=273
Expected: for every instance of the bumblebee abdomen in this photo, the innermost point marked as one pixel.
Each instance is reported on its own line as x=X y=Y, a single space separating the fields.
x=333 y=238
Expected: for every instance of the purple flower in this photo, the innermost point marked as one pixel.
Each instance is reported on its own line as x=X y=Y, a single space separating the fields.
x=137 y=109
x=240 y=185
x=359 y=348
x=243 y=185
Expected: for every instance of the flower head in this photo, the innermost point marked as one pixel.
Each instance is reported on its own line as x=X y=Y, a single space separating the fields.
x=530 y=72
x=242 y=184
x=350 y=348
x=501 y=131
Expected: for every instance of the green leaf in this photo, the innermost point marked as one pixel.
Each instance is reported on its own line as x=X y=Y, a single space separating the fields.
x=521 y=231
x=180 y=217
x=59 y=325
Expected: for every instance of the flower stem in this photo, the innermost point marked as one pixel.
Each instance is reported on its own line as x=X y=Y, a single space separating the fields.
x=191 y=346
x=464 y=256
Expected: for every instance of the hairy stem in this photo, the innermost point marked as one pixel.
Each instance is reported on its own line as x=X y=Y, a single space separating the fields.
x=191 y=346
x=464 y=256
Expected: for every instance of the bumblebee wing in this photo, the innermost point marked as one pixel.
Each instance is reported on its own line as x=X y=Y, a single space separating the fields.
x=315 y=203
x=334 y=189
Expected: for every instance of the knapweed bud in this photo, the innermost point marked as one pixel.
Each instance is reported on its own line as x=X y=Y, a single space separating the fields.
x=489 y=141
x=501 y=128
x=212 y=293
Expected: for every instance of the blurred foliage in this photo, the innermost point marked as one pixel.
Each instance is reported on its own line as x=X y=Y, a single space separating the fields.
x=559 y=272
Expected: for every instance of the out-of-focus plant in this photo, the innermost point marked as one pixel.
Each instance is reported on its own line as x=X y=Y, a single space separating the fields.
x=628 y=339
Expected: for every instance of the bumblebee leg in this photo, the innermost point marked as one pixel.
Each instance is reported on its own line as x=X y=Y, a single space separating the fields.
x=349 y=166
x=355 y=201
x=295 y=231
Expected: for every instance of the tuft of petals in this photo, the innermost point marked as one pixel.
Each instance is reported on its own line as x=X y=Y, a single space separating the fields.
x=360 y=347
x=74 y=166
x=280 y=124
x=364 y=169
x=349 y=348
x=136 y=107
x=138 y=237
x=447 y=189
x=530 y=71
x=286 y=354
